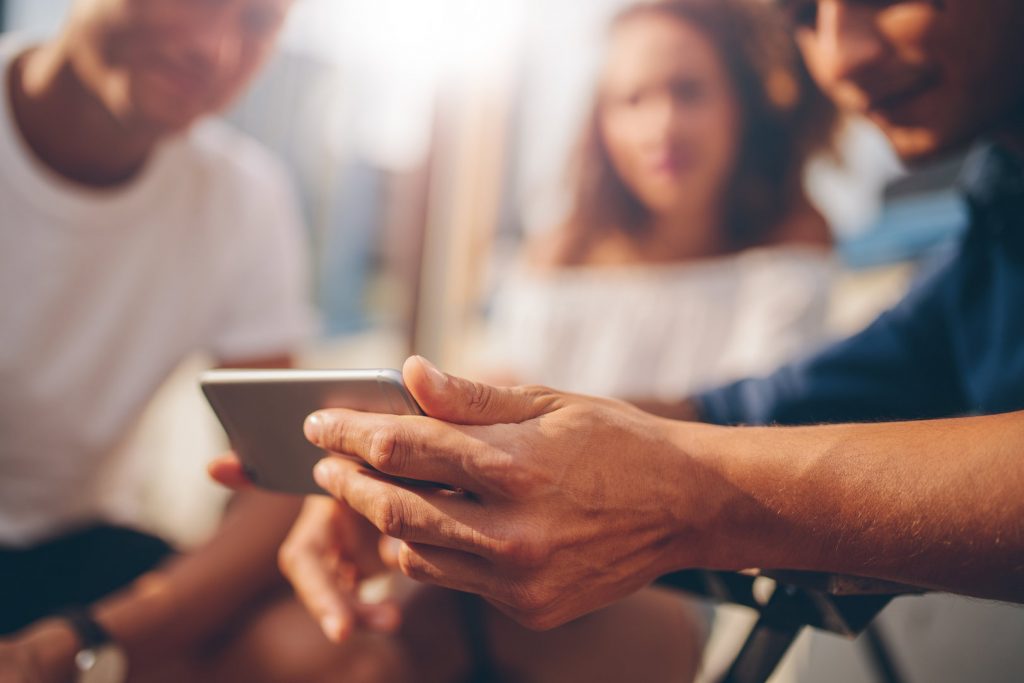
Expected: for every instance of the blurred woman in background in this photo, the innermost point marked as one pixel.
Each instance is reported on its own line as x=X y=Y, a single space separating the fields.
x=691 y=254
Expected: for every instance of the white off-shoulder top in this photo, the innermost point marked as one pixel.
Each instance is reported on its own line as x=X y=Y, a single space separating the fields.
x=660 y=331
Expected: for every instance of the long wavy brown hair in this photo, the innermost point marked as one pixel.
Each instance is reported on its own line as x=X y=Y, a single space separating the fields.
x=784 y=120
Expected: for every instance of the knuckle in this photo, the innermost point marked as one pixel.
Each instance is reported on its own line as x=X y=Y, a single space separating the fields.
x=521 y=550
x=517 y=480
x=542 y=399
x=531 y=599
x=287 y=555
x=577 y=415
x=389 y=516
x=534 y=553
x=385 y=453
x=536 y=392
x=334 y=433
x=508 y=474
x=414 y=566
x=481 y=397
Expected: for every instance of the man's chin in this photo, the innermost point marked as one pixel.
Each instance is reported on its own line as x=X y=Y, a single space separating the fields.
x=165 y=123
x=916 y=146
x=178 y=125
x=164 y=116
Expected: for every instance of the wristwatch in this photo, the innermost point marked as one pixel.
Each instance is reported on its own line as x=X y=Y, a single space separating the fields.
x=100 y=659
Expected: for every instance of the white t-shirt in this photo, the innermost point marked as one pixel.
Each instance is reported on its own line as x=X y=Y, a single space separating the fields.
x=103 y=293
x=660 y=331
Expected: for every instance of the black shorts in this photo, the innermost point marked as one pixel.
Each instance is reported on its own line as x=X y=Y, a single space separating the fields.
x=74 y=570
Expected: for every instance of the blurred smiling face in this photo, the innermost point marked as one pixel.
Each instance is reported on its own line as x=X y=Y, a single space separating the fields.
x=163 y=64
x=933 y=74
x=669 y=116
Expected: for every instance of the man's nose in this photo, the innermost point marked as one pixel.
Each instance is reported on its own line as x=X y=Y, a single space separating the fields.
x=849 y=44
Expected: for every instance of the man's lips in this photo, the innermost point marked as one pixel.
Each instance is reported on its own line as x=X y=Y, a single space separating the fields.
x=892 y=104
x=183 y=81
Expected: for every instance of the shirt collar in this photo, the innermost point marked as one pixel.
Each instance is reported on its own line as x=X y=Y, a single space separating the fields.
x=993 y=181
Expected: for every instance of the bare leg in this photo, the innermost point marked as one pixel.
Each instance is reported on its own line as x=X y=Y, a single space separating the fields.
x=283 y=644
x=280 y=643
x=652 y=636
x=433 y=636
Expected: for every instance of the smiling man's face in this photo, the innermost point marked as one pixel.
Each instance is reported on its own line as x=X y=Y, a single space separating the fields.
x=933 y=74
x=165 y=63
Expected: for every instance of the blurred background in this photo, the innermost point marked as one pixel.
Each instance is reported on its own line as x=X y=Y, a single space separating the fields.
x=427 y=139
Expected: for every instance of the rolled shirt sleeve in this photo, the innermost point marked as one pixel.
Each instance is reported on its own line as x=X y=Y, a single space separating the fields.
x=901 y=367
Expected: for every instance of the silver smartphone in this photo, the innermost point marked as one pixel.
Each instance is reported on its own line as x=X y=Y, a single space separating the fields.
x=263 y=412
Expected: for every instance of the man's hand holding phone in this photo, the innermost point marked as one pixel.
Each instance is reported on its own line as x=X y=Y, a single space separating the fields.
x=553 y=505
x=557 y=505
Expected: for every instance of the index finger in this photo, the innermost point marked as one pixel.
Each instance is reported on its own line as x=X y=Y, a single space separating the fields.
x=227 y=470
x=418 y=448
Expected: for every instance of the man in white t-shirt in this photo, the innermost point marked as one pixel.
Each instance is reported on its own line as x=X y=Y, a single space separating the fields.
x=133 y=233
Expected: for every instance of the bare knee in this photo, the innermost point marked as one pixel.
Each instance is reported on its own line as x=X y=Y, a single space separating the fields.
x=282 y=644
x=650 y=636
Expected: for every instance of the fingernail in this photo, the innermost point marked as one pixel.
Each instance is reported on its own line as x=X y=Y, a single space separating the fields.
x=437 y=378
x=333 y=628
x=313 y=427
x=390 y=550
x=324 y=473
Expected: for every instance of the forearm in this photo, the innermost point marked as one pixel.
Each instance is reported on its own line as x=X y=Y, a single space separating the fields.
x=684 y=410
x=938 y=504
x=194 y=596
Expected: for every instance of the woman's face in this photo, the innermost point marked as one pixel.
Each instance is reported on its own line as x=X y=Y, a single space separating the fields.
x=668 y=114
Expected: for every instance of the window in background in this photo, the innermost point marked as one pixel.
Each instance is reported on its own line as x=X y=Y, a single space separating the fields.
x=37 y=17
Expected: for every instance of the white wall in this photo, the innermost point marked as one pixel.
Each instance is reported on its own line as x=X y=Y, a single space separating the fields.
x=39 y=17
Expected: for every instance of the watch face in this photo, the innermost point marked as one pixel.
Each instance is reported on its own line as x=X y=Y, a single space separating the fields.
x=106 y=664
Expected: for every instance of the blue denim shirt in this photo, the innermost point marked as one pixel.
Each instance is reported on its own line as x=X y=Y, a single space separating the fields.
x=953 y=346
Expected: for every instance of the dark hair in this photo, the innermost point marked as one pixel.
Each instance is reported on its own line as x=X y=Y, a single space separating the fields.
x=784 y=120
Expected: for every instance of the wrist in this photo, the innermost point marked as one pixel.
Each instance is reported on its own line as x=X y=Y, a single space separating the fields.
x=694 y=499
x=725 y=521
x=682 y=411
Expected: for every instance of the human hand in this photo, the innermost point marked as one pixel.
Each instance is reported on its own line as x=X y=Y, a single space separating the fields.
x=17 y=664
x=561 y=504
x=328 y=553
x=44 y=653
